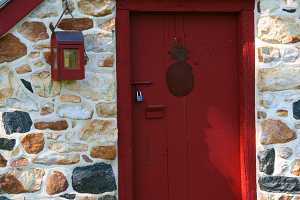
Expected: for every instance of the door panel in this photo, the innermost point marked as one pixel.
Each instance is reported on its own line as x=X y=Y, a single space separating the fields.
x=190 y=148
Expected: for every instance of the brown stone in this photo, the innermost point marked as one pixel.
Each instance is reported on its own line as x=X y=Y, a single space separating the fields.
x=10 y=184
x=34 y=31
x=78 y=24
x=109 y=61
x=23 y=69
x=33 y=143
x=22 y=162
x=47 y=56
x=275 y=132
x=104 y=152
x=3 y=161
x=11 y=48
x=56 y=183
x=282 y=112
x=55 y=126
x=70 y=99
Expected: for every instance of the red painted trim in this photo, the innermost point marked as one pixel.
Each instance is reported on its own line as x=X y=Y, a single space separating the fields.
x=13 y=12
x=125 y=103
x=247 y=88
x=247 y=105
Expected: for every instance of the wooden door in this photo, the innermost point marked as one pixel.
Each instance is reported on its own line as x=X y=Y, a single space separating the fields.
x=186 y=147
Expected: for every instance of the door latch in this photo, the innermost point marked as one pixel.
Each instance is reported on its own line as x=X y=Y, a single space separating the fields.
x=139 y=96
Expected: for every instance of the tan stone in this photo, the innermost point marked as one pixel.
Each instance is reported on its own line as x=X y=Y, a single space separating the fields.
x=275 y=132
x=109 y=25
x=67 y=147
x=57 y=158
x=262 y=196
x=278 y=29
x=96 y=8
x=7 y=83
x=22 y=180
x=295 y=170
x=105 y=109
x=11 y=48
x=34 y=31
x=285 y=197
x=34 y=54
x=44 y=86
x=104 y=152
x=3 y=161
x=96 y=129
x=47 y=57
x=78 y=24
x=21 y=162
x=56 y=125
x=70 y=99
x=42 y=46
x=56 y=183
x=33 y=143
x=23 y=69
x=282 y=112
x=47 y=108
x=279 y=78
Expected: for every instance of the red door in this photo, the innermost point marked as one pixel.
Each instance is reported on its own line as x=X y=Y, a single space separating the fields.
x=186 y=147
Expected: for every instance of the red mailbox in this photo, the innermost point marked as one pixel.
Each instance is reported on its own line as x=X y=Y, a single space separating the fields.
x=67 y=55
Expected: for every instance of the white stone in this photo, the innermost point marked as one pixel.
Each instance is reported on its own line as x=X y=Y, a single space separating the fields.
x=285 y=152
x=57 y=158
x=96 y=86
x=75 y=111
x=268 y=6
x=98 y=42
x=43 y=85
x=66 y=147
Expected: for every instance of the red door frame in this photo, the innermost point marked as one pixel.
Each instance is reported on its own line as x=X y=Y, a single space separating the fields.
x=245 y=11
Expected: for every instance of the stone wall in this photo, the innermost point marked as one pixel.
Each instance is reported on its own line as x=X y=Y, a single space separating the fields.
x=58 y=139
x=278 y=99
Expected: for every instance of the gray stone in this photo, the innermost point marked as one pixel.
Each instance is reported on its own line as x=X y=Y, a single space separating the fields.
x=68 y=196
x=94 y=179
x=4 y=198
x=266 y=160
x=7 y=144
x=285 y=152
x=98 y=43
x=108 y=197
x=279 y=184
x=16 y=122
x=290 y=54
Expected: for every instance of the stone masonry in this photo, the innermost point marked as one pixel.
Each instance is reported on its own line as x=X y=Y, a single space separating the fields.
x=278 y=99
x=58 y=138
